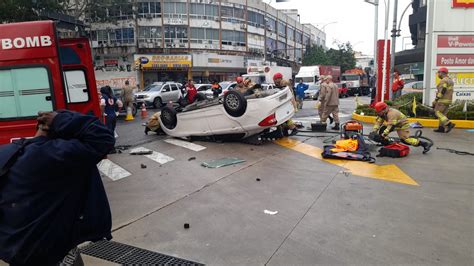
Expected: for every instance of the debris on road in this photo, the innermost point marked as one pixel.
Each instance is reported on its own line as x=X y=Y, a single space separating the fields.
x=141 y=152
x=416 y=125
x=222 y=162
x=186 y=226
x=270 y=212
x=258 y=179
x=192 y=158
x=346 y=173
x=143 y=166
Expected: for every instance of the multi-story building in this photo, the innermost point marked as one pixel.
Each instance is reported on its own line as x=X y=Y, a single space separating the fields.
x=203 y=39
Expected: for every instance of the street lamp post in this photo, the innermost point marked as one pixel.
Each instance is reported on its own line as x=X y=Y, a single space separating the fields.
x=394 y=40
x=376 y=28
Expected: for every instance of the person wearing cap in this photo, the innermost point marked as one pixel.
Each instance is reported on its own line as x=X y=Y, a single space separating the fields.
x=330 y=100
x=444 y=98
x=281 y=84
x=397 y=85
x=395 y=120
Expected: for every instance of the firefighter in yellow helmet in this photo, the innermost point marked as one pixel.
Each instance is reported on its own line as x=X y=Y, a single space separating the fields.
x=396 y=121
x=444 y=97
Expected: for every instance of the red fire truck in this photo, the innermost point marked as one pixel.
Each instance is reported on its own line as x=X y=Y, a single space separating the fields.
x=39 y=72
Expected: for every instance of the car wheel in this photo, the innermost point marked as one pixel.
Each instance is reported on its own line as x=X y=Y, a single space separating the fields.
x=168 y=117
x=134 y=109
x=235 y=103
x=157 y=102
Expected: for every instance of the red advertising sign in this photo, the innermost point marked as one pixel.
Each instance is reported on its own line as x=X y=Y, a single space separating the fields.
x=463 y=3
x=456 y=41
x=111 y=62
x=455 y=60
x=380 y=48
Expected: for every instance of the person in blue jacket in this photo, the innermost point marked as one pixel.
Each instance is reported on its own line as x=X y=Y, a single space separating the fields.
x=300 y=89
x=51 y=194
x=110 y=107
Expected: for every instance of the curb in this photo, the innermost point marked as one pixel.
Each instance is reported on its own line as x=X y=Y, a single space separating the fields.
x=425 y=122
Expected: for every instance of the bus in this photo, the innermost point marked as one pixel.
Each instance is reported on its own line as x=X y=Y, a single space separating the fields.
x=39 y=72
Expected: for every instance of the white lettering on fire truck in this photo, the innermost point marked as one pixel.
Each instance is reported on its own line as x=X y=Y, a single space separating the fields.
x=28 y=42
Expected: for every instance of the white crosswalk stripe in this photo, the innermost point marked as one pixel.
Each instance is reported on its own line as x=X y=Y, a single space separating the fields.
x=185 y=144
x=112 y=170
x=155 y=156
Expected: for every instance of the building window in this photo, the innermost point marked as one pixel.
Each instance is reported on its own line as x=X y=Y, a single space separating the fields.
x=271 y=24
x=122 y=36
x=255 y=19
x=149 y=9
x=281 y=29
x=235 y=38
x=121 y=11
x=299 y=37
x=291 y=34
x=203 y=35
x=306 y=39
x=176 y=34
x=149 y=33
x=281 y=49
x=175 y=10
x=271 y=45
x=202 y=11
x=232 y=14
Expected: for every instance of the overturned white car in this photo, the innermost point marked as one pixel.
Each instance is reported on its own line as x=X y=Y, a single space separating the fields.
x=233 y=116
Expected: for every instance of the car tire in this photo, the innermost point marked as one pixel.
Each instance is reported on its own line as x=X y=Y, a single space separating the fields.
x=169 y=117
x=134 y=109
x=157 y=102
x=235 y=103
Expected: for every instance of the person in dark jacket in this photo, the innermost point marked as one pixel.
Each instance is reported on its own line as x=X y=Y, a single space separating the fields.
x=51 y=194
x=110 y=106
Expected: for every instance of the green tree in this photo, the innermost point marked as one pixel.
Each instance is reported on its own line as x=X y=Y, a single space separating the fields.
x=343 y=56
x=315 y=55
x=27 y=10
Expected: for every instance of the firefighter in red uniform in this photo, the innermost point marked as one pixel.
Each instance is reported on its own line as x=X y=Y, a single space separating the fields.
x=444 y=97
x=396 y=121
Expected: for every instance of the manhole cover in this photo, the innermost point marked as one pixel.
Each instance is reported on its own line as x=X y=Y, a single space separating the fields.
x=129 y=255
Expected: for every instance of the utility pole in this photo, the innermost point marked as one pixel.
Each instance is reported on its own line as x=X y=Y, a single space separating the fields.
x=394 y=39
x=384 y=76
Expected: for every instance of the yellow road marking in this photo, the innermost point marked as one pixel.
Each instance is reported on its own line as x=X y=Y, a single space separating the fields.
x=389 y=172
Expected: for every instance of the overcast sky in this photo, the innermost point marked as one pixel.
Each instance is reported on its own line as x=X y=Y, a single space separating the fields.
x=355 y=20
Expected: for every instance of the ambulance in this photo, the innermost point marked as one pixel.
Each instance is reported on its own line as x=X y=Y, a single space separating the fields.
x=39 y=72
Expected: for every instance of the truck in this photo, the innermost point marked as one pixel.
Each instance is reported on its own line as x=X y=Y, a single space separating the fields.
x=356 y=81
x=264 y=74
x=311 y=74
x=39 y=72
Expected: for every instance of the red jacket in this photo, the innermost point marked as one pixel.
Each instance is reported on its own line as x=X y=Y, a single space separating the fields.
x=192 y=92
x=397 y=84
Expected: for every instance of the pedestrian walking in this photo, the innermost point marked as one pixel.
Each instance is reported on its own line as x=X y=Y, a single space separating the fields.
x=127 y=94
x=395 y=120
x=397 y=85
x=330 y=96
x=300 y=89
x=444 y=98
x=52 y=195
x=110 y=106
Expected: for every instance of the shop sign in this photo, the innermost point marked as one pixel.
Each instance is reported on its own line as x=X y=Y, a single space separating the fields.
x=456 y=41
x=111 y=62
x=218 y=61
x=164 y=61
x=461 y=60
x=175 y=21
x=463 y=3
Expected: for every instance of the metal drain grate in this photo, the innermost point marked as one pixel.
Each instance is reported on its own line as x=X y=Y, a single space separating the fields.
x=129 y=255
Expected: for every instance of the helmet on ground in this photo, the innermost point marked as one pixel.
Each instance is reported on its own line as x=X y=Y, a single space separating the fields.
x=380 y=106
x=239 y=79
x=277 y=75
x=443 y=69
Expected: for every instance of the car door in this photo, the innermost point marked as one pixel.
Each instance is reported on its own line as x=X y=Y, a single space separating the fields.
x=166 y=94
x=175 y=92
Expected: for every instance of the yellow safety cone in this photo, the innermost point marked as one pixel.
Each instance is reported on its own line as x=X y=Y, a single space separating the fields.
x=129 y=114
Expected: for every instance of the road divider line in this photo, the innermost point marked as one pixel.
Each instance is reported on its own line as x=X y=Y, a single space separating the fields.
x=389 y=172
x=155 y=156
x=112 y=170
x=185 y=144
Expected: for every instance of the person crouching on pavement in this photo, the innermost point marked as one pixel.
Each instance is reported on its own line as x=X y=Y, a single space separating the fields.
x=281 y=84
x=396 y=121
x=153 y=124
x=444 y=98
x=330 y=97
x=300 y=89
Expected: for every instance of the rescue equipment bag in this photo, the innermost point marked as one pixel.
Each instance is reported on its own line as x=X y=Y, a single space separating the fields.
x=394 y=150
x=360 y=154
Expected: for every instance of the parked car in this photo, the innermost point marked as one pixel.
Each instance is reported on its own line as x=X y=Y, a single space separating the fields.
x=123 y=111
x=159 y=93
x=227 y=85
x=312 y=92
x=343 y=91
x=232 y=115
x=416 y=86
x=205 y=89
